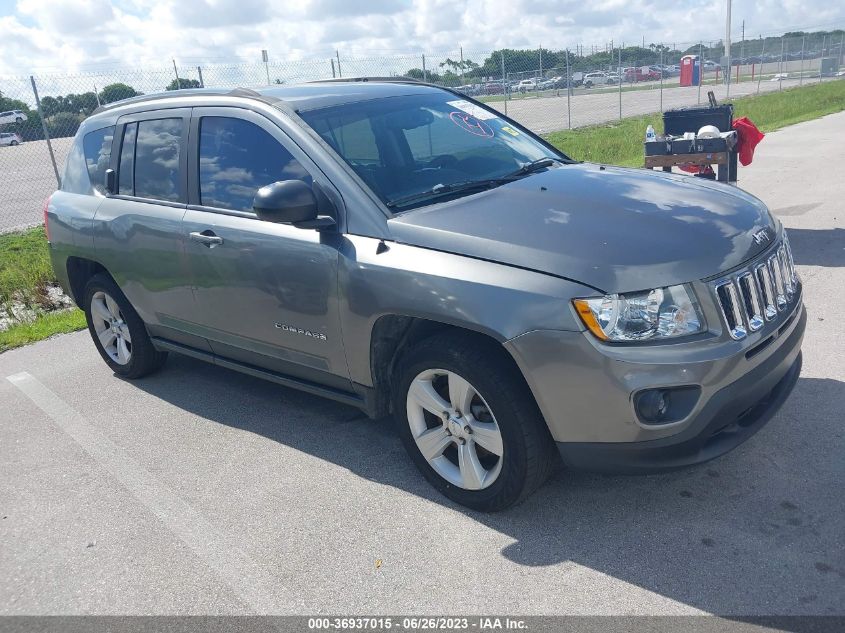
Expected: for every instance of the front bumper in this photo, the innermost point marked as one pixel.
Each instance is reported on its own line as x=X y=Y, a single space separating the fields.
x=587 y=397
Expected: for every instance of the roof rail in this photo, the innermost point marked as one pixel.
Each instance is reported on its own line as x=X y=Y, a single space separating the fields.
x=184 y=92
x=395 y=80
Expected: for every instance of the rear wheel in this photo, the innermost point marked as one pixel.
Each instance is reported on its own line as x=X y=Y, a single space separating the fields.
x=118 y=332
x=13 y=143
x=470 y=423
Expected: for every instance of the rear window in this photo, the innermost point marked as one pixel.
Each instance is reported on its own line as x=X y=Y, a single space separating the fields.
x=149 y=160
x=96 y=147
x=87 y=161
x=157 y=159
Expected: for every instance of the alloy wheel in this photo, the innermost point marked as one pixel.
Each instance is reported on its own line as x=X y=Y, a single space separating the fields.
x=111 y=328
x=454 y=429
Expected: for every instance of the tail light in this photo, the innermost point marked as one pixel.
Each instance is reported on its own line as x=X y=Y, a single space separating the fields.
x=46 y=223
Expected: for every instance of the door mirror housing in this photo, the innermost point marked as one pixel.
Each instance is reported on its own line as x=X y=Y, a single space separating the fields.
x=290 y=202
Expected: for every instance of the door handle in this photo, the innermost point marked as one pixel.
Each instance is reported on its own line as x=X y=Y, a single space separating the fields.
x=207 y=238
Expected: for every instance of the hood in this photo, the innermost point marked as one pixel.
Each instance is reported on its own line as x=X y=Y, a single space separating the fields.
x=615 y=229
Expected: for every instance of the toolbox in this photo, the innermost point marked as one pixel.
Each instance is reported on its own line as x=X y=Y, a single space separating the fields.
x=678 y=122
x=658 y=148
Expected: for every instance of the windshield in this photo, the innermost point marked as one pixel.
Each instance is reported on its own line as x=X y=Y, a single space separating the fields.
x=405 y=146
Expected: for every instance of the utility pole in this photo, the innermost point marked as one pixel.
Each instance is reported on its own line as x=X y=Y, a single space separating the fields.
x=541 y=60
x=266 y=59
x=742 y=48
x=728 y=50
x=176 y=72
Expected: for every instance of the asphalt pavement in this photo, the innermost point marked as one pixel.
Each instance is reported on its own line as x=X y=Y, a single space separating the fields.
x=203 y=491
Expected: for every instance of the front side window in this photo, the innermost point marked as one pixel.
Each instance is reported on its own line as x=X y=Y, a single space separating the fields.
x=156 y=159
x=96 y=147
x=236 y=159
x=407 y=145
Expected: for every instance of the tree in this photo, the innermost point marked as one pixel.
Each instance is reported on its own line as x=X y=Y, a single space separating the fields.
x=182 y=84
x=116 y=92
x=7 y=103
x=63 y=124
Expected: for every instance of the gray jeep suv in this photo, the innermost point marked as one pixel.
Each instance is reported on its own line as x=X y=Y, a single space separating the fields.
x=404 y=249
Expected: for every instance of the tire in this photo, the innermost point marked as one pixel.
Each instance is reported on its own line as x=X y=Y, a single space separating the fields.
x=19 y=120
x=118 y=332
x=13 y=143
x=505 y=469
x=589 y=84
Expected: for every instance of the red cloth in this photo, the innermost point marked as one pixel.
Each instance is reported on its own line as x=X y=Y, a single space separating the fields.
x=748 y=137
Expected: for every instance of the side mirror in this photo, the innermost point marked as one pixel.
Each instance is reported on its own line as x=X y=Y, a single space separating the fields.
x=289 y=202
x=111 y=182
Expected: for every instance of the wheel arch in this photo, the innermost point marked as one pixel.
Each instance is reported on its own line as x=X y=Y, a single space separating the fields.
x=393 y=334
x=79 y=271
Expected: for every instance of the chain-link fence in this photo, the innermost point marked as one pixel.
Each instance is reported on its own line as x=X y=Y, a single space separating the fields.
x=545 y=89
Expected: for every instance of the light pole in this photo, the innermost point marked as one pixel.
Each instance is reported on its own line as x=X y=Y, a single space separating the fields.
x=728 y=49
x=266 y=59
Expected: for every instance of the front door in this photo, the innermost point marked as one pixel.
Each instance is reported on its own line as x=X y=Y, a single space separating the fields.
x=266 y=293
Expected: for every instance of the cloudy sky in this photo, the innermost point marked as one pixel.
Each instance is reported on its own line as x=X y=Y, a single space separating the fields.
x=80 y=35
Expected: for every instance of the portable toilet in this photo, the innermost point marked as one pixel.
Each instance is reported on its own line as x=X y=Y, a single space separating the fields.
x=690 y=70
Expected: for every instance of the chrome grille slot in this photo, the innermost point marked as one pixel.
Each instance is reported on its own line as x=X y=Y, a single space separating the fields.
x=726 y=291
x=787 y=273
x=758 y=292
x=767 y=292
x=790 y=261
x=777 y=278
x=750 y=301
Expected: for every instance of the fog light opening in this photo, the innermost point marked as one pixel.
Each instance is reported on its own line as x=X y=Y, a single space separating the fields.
x=652 y=406
x=665 y=405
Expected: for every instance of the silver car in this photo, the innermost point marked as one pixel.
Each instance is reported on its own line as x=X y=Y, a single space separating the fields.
x=404 y=249
x=10 y=138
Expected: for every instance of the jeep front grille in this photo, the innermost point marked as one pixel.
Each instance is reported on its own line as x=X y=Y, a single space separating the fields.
x=757 y=293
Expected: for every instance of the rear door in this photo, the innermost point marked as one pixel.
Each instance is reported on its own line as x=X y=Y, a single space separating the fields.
x=138 y=230
x=266 y=292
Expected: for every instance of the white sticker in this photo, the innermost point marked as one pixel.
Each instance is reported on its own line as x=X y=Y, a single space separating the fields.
x=470 y=108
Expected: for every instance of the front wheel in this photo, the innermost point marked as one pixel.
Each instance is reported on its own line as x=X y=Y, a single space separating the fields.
x=13 y=143
x=119 y=334
x=470 y=423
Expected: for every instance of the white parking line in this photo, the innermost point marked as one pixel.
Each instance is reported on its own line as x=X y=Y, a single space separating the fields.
x=217 y=550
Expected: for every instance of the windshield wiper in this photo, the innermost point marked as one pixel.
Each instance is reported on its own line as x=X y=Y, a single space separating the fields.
x=534 y=165
x=470 y=185
x=446 y=189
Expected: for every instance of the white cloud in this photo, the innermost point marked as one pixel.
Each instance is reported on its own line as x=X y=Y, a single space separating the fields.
x=74 y=35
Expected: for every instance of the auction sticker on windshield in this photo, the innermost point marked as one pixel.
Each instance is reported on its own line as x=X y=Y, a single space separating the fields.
x=470 y=108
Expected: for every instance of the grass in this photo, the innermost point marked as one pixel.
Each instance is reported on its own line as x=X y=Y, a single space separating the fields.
x=621 y=142
x=25 y=275
x=25 y=268
x=44 y=326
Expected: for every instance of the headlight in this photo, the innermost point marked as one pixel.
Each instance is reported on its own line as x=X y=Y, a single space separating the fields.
x=638 y=316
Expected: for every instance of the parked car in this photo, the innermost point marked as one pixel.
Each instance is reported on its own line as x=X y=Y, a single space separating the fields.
x=709 y=65
x=599 y=79
x=640 y=73
x=12 y=116
x=548 y=84
x=10 y=138
x=492 y=88
x=470 y=90
x=361 y=241
x=526 y=85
